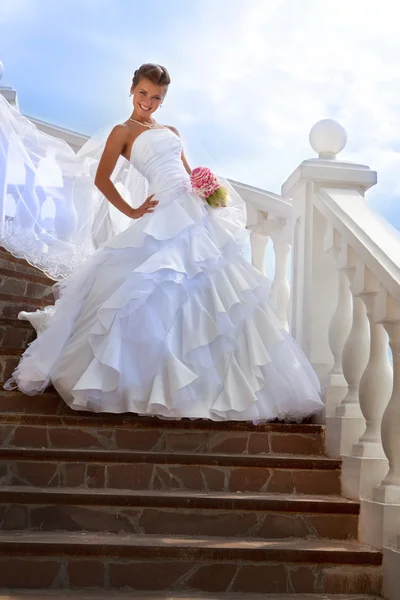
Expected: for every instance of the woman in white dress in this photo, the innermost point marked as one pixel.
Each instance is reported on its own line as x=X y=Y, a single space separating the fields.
x=167 y=318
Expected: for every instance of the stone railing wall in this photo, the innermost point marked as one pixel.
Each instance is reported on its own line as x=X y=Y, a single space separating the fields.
x=269 y=217
x=346 y=316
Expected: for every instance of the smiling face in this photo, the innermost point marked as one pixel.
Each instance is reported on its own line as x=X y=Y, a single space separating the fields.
x=147 y=97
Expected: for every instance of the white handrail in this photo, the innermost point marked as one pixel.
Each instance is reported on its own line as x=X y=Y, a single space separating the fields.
x=371 y=237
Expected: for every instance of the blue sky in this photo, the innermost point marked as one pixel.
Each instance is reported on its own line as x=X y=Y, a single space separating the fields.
x=249 y=77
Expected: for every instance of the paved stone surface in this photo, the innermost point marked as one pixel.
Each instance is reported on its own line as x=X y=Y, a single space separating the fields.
x=180 y=512
x=169 y=471
x=95 y=541
x=90 y=503
x=109 y=595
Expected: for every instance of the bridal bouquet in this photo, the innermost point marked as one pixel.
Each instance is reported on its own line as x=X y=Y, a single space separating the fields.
x=206 y=185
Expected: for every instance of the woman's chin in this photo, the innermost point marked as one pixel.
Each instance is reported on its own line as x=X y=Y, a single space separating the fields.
x=144 y=114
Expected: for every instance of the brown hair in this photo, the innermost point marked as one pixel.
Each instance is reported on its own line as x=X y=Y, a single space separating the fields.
x=155 y=73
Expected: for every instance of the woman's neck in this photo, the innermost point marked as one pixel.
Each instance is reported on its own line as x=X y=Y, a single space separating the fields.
x=139 y=119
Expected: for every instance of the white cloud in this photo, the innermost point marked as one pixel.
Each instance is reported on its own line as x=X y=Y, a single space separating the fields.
x=249 y=78
x=14 y=10
x=280 y=66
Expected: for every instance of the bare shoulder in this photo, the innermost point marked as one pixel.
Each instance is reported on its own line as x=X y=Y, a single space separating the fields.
x=119 y=132
x=174 y=129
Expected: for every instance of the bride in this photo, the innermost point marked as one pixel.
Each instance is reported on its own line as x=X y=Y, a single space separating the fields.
x=166 y=317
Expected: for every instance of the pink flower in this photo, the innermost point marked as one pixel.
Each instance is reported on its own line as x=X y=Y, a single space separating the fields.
x=204 y=182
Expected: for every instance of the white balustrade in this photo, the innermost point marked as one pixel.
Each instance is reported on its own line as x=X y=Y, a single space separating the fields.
x=389 y=489
x=377 y=380
x=28 y=205
x=340 y=326
x=355 y=359
x=347 y=423
x=269 y=217
x=364 y=428
x=280 y=290
x=365 y=465
x=258 y=246
x=375 y=388
x=335 y=385
x=3 y=175
x=65 y=219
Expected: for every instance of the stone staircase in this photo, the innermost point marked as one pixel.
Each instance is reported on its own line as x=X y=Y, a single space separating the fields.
x=93 y=505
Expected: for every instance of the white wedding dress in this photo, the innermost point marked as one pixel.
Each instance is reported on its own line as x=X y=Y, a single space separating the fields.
x=168 y=318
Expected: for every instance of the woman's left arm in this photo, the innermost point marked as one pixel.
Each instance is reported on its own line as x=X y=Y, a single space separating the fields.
x=183 y=157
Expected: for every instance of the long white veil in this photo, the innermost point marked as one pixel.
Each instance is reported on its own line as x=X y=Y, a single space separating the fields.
x=51 y=214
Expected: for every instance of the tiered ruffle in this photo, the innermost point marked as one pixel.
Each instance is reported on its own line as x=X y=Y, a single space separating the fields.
x=169 y=319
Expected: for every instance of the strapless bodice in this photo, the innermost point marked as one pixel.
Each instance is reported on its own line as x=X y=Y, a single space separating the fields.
x=156 y=154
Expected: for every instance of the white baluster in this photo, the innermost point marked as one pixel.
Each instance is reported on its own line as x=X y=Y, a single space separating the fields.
x=65 y=219
x=347 y=425
x=366 y=465
x=391 y=418
x=258 y=246
x=380 y=516
x=375 y=386
x=280 y=291
x=28 y=205
x=355 y=359
x=335 y=385
x=3 y=175
x=41 y=196
x=340 y=326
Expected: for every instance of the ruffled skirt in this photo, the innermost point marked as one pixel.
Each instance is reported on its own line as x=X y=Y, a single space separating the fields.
x=169 y=319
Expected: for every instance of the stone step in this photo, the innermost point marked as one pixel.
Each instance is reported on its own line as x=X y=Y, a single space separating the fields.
x=15 y=334
x=11 y=305
x=60 y=431
x=20 y=291
x=178 y=513
x=27 y=285
x=154 y=563
x=32 y=410
x=169 y=471
x=10 y=262
x=48 y=403
x=45 y=421
x=9 y=360
x=126 y=595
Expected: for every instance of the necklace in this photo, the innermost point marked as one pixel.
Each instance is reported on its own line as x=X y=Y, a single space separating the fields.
x=150 y=125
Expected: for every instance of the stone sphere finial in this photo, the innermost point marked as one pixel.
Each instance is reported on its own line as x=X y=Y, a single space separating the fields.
x=328 y=138
x=1 y=70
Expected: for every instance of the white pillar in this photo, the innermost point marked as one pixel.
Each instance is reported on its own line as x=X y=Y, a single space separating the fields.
x=375 y=388
x=3 y=175
x=27 y=209
x=389 y=489
x=314 y=285
x=355 y=359
x=65 y=219
x=280 y=291
x=28 y=206
x=258 y=246
x=335 y=388
x=366 y=465
x=380 y=516
x=347 y=425
x=391 y=570
x=340 y=325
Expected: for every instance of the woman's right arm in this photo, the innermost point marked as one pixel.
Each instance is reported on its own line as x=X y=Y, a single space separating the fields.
x=113 y=149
